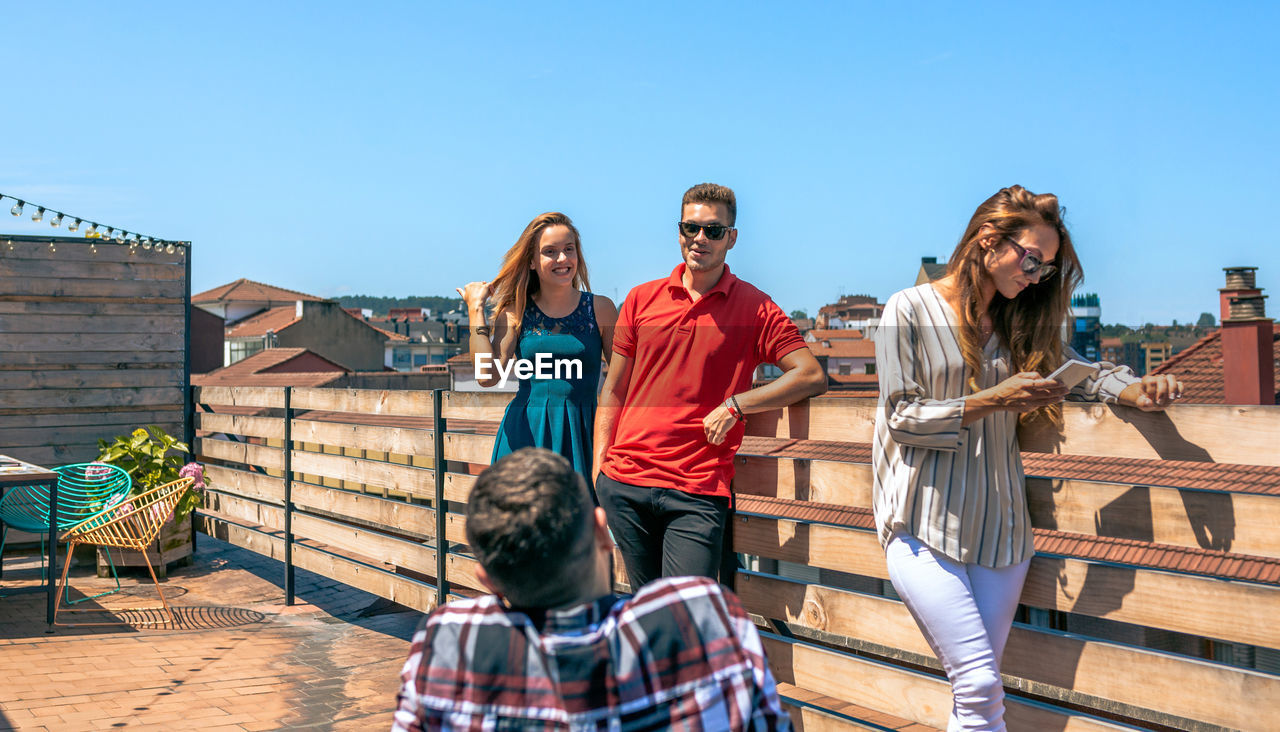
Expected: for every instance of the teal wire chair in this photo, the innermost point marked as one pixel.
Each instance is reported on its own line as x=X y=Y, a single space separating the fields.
x=84 y=489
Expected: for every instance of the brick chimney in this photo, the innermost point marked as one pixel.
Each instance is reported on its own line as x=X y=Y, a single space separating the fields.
x=1248 y=350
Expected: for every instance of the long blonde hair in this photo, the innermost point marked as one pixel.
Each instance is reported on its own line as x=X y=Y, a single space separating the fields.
x=513 y=287
x=1030 y=325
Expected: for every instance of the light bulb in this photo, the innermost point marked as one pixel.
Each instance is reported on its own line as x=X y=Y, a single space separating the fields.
x=110 y=233
x=38 y=215
x=169 y=249
x=147 y=244
x=121 y=236
x=92 y=230
x=74 y=225
x=56 y=221
x=93 y=247
x=17 y=209
x=52 y=248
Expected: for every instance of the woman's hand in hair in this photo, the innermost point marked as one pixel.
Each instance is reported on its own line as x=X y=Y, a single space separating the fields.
x=475 y=294
x=1153 y=393
x=1027 y=391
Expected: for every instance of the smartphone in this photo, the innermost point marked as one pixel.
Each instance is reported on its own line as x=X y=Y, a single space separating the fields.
x=1073 y=372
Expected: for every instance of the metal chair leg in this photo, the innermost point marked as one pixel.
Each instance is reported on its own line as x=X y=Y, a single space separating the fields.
x=57 y=602
x=115 y=575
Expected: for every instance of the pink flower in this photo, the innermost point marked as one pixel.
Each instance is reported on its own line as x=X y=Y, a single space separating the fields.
x=97 y=471
x=193 y=470
x=123 y=508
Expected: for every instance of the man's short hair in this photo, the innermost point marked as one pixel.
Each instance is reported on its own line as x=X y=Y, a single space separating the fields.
x=530 y=524
x=712 y=193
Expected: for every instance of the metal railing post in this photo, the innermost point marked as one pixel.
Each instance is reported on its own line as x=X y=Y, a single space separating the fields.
x=288 y=496
x=188 y=393
x=442 y=544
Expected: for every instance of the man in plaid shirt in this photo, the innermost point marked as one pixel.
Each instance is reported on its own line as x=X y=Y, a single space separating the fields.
x=554 y=649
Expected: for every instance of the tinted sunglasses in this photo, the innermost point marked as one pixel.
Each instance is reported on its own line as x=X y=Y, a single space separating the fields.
x=713 y=231
x=1032 y=264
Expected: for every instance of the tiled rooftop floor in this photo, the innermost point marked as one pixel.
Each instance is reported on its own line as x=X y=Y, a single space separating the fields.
x=241 y=661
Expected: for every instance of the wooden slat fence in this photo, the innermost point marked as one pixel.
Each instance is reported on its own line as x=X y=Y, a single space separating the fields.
x=1136 y=587
x=94 y=345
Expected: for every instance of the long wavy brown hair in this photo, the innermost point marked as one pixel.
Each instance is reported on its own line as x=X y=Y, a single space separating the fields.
x=1030 y=325
x=515 y=283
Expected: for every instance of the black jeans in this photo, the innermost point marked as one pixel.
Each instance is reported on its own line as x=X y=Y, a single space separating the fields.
x=663 y=532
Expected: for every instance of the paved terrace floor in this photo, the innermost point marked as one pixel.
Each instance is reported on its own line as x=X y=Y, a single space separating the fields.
x=240 y=659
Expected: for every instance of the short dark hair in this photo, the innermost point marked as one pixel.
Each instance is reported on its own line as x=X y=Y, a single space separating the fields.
x=529 y=523
x=712 y=193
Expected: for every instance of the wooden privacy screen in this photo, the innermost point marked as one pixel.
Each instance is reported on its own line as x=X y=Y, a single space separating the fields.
x=1162 y=536
x=94 y=345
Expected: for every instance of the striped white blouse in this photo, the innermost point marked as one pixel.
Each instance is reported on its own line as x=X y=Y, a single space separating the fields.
x=960 y=490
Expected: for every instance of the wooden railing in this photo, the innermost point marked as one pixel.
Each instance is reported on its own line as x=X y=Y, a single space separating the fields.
x=1156 y=553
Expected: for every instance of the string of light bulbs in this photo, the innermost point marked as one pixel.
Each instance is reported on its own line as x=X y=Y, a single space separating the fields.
x=95 y=233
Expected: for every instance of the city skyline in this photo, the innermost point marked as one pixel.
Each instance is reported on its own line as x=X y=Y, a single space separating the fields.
x=400 y=149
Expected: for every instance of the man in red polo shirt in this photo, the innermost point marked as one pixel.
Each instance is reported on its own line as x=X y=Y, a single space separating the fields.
x=669 y=419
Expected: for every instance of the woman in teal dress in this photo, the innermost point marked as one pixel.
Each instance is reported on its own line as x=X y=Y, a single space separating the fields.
x=544 y=316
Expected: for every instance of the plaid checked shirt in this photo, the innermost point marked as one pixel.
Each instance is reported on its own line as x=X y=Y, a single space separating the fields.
x=680 y=654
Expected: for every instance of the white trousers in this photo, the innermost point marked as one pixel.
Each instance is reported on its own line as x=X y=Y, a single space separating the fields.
x=965 y=612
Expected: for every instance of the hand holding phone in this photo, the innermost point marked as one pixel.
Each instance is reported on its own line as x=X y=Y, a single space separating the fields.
x=1073 y=372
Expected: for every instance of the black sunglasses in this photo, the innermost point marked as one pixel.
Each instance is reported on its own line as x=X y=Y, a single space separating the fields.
x=714 y=231
x=1032 y=264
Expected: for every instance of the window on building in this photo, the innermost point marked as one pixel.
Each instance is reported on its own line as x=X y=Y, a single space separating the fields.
x=240 y=350
x=871 y=368
x=419 y=359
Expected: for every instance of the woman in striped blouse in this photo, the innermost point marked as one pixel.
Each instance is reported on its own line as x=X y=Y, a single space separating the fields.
x=961 y=362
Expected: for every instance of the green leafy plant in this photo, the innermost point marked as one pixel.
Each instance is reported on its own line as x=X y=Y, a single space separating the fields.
x=152 y=457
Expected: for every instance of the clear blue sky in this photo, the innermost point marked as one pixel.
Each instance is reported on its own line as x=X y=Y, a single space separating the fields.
x=399 y=148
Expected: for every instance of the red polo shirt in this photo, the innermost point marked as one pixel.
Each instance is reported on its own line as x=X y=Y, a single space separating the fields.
x=687 y=358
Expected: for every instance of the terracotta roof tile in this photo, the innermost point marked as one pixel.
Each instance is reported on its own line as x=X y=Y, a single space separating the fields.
x=256 y=326
x=849 y=452
x=844 y=348
x=243 y=290
x=1225 y=477
x=253 y=371
x=1199 y=367
x=1159 y=556
x=1056 y=543
x=302 y=378
x=825 y=513
x=869 y=382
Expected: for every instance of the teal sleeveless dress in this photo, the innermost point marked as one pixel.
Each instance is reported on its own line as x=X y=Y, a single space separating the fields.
x=556 y=413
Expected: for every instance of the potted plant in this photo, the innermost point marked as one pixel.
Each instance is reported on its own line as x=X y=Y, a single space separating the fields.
x=152 y=457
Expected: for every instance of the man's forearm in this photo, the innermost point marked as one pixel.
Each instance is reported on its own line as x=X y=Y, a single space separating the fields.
x=793 y=386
